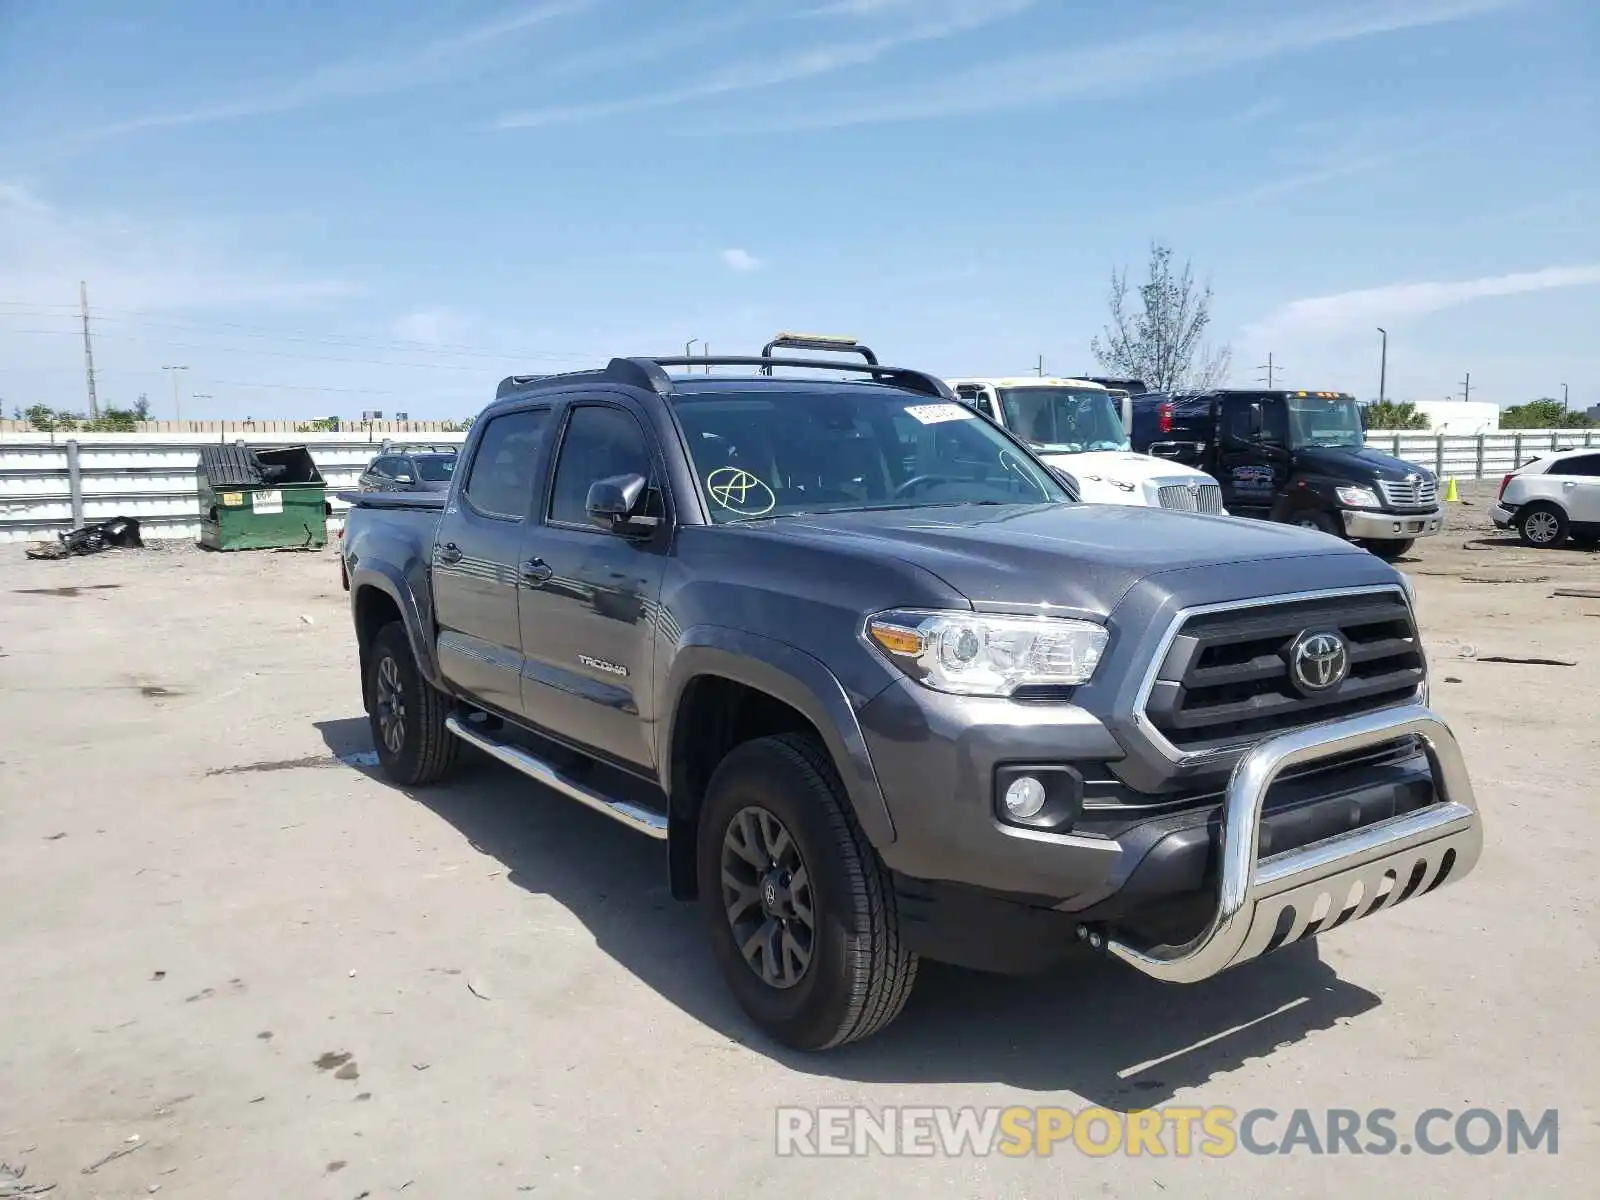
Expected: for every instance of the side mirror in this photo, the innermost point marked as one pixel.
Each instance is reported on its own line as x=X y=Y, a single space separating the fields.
x=613 y=503
x=404 y=480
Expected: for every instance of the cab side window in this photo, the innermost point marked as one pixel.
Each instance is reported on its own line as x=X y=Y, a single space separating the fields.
x=500 y=482
x=600 y=442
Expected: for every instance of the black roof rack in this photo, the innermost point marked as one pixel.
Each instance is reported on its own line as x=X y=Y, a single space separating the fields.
x=818 y=341
x=650 y=374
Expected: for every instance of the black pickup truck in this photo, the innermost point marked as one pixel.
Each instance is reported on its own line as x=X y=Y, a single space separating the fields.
x=1294 y=456
x=887 y=692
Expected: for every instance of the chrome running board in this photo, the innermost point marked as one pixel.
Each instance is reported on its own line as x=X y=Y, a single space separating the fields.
x=635 y=816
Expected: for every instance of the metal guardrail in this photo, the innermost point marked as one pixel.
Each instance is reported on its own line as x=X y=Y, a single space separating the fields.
x=48 y=487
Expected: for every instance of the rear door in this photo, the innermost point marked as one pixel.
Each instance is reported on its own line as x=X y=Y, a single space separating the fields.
x=590 y=595
x=476 y=552
x=1578 y=487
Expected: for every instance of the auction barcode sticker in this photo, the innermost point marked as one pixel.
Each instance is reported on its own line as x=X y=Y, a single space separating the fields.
x=933 y=414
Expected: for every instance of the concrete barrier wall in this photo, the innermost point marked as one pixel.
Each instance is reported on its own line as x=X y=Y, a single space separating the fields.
x=54 y=482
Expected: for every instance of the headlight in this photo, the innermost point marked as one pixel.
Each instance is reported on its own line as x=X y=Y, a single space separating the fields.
x=973 y=654
x=1358 y=497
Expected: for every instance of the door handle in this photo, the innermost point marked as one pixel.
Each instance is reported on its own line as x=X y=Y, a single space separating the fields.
x=450 y=553
x=536 y=571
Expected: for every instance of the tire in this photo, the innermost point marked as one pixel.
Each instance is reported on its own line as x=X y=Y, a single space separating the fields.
x=1391 y=550
x=858 y=973
x=422 y=750
x=1543 y=526
x=1310 y=518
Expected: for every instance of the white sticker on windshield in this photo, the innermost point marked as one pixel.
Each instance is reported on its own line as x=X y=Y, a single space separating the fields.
x=933 y=414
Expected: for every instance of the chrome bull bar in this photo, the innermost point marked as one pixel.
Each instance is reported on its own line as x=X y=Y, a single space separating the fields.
x=1264 y=904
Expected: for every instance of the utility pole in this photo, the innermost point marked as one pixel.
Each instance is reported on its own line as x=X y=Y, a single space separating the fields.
x=88 y=348
x=1466 y=388
x=688 y=350
x=1269 y=369
x=707 y=346
x=177 y=400
x=1383 y=366
x=1563 y=398
x=1041 y=366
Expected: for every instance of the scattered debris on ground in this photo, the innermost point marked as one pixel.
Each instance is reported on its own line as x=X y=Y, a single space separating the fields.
x=121 y=533
x=133 y=1144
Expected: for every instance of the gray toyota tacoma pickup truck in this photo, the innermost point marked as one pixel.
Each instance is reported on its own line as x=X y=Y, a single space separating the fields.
x=887 y=692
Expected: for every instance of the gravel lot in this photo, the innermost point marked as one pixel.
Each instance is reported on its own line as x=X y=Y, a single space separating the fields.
x=238 y=958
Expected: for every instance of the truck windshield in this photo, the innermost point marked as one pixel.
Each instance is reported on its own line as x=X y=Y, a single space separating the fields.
x=1324 y=421
x=435 y=468
x=764 y=453
x=1060 y=420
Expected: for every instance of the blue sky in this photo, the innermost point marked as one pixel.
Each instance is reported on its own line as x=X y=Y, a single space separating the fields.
x=330 y=206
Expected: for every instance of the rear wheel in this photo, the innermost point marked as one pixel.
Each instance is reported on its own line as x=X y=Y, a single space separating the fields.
x=1542 y=525
x=800 y=910
x=407 y=713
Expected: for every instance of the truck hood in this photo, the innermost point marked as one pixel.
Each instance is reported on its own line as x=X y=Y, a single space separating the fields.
x=1347 y=462
x=1123 y=465
x=1077 y=557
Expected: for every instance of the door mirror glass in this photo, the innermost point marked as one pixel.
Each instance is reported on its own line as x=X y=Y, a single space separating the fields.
x=403 y=480
x=615 y=502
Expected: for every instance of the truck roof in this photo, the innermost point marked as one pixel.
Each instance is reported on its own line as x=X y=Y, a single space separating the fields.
x=1028 y=381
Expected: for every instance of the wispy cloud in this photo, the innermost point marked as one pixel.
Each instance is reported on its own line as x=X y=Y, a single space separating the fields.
x=380 y=72
x=933 y=20
x=1154 y=58
x=741 y=260
x=1330 y=315
x=132 y=264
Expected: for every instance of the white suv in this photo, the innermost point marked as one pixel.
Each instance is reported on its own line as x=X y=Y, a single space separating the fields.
x=1553 y=498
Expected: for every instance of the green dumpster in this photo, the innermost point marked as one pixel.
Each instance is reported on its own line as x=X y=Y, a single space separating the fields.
x=261 y=499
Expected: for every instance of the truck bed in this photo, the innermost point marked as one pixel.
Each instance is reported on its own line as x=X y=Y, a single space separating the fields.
x=433 y=501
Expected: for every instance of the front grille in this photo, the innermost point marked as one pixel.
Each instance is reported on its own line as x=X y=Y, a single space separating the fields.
x=1226 y=679
x=1409 y=493
x=1183 y=497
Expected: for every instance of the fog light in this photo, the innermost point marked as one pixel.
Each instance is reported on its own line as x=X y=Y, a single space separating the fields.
x=1025 y=798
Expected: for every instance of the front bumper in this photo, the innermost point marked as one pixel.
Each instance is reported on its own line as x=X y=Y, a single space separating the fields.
x=1266 y=903
x=1378 y=526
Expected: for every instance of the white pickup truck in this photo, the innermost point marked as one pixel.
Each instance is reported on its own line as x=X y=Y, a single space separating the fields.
x=1076 y=427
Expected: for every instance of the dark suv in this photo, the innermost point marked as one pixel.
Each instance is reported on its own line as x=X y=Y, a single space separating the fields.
x=410 y=471
x=886 y=692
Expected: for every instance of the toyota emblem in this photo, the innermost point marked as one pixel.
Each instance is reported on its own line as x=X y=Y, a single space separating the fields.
x=1318 y=660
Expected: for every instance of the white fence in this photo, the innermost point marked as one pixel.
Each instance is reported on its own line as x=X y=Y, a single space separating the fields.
x=50 y=484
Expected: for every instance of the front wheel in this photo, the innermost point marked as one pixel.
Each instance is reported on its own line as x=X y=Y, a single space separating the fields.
x=1391 y=550
x=1309 y=518
x=406 y=713
x=800 y=910
x=1542 y=525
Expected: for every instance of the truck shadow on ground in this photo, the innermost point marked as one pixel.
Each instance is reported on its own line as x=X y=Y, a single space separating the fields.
x=1096 y=1029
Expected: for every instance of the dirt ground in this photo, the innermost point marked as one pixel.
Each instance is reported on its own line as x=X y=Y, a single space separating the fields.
x=234 y=963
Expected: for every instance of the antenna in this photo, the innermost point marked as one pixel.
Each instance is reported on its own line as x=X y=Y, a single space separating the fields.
x=88 y=348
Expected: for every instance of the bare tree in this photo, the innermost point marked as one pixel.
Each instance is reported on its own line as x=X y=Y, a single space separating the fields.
x=1160 y=340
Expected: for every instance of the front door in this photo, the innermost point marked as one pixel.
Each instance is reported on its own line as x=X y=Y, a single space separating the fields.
x=1252 y=452
x=1579 y=477
x=590 y=595
x=476 y=552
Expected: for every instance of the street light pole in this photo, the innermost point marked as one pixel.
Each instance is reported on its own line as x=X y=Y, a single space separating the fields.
x=1563 y=397
x=1383 y=366
x=177 y=401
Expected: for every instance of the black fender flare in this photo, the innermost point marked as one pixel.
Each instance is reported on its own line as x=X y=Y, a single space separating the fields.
x=417 y=618
x=1303 y=492
x=788 y=674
